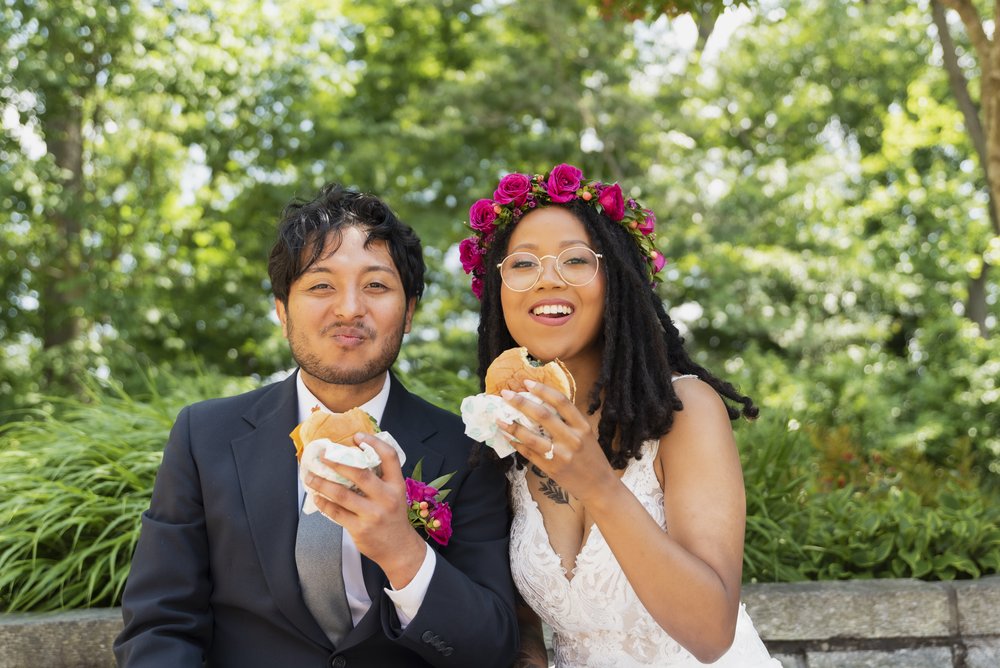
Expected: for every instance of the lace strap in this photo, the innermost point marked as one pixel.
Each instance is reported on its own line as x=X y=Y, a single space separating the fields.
x=687 y=375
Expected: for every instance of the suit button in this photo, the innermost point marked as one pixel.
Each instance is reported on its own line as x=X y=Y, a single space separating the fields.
x=428 y=637
x=338 y=662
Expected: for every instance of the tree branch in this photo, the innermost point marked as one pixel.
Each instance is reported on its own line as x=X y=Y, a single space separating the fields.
x=974 y=27
x=958 y=83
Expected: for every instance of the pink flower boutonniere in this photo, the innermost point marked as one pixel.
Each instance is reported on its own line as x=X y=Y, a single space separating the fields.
x=425 y=505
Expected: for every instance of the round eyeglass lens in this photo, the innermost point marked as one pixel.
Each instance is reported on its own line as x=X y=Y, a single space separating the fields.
x=576 y=266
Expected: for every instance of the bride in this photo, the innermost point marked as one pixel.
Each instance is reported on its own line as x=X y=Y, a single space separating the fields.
x=629 y=505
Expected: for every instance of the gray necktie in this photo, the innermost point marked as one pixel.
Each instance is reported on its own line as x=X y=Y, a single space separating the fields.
x=319 y=561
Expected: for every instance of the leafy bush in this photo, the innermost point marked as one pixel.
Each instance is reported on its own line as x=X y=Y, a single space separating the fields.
x=850 y=533
x=819 y=507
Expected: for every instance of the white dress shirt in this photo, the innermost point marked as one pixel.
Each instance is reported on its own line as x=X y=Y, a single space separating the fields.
x=406 y=600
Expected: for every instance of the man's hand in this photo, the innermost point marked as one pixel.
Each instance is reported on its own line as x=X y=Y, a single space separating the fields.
x=375 y=513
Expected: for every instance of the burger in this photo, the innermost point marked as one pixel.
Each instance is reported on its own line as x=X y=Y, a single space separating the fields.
x=514 y=366
x=335 y=427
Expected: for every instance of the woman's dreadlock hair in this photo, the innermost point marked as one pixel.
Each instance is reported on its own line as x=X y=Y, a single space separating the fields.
x=633 y=389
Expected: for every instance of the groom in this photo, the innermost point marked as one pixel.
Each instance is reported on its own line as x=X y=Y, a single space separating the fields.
x=222 y=574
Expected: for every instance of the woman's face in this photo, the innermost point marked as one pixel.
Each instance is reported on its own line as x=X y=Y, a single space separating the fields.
x=554 y=318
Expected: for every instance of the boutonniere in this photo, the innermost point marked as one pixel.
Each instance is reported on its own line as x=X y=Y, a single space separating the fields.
x=425 y=505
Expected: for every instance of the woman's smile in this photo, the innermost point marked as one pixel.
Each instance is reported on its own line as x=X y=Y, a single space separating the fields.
x=552 y=312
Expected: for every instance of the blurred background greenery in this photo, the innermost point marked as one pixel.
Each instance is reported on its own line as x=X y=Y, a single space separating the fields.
x=816 y=167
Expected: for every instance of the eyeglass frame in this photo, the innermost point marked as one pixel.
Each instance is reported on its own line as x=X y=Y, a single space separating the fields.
x=541 y=269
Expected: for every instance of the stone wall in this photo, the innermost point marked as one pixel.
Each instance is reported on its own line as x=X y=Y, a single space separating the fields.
x=875 y=623
x=852 y=624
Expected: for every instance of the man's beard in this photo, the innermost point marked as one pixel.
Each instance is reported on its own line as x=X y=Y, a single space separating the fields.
x=312 y=364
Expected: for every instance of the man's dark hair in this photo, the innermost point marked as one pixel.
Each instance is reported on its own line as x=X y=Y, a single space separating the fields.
x=642 y=348
x=306 y=225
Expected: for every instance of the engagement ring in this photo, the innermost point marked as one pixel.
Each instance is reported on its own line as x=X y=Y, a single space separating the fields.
x=551 y=451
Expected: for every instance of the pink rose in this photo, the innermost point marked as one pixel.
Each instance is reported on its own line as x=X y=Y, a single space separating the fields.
x=442 y=533
x=563 y=183
x=482 y=215
x=649 y=223
x=417 y=491
x=470 y=254
x=612 y=201
x=512 y=188
x=658 y=261
x=477 y=287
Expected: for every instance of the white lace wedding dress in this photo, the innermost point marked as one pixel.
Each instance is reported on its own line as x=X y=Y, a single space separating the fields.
x=595 y=616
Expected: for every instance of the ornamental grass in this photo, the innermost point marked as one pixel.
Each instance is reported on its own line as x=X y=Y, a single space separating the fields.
x=76 y=475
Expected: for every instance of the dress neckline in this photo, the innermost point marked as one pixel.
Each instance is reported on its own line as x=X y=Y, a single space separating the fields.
x=569 y=575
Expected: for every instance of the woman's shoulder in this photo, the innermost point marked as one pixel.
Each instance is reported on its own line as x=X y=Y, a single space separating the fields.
x=702 y=423
x=700 y=400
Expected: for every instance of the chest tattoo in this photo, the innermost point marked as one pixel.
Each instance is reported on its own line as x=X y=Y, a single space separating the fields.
x=550 y=488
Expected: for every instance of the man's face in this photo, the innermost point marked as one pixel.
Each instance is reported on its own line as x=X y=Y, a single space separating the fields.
x=346 y=315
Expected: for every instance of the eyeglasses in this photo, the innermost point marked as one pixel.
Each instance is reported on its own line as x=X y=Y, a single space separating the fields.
x=576 y=266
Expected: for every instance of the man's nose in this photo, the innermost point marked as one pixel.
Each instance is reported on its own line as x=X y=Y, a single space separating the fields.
x=349 y=304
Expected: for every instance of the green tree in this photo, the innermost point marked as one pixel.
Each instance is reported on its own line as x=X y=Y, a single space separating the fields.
x=201 y=121
x=821 y=236
x=148 y=149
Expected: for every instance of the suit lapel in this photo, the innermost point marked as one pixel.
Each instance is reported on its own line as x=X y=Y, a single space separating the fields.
x=265 y=463
x=403 y=419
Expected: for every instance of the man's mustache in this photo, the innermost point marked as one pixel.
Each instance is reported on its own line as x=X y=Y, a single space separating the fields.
x=346 y=329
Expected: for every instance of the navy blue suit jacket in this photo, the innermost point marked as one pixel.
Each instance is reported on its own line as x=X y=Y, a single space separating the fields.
x=213 y=579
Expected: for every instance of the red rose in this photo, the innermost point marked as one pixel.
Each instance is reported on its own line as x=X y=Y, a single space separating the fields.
x=658 y=262
x=649 y=223
x=563 y=183
x=612 y=201
x=482 y=215
x=470 y=254
x=512 y=188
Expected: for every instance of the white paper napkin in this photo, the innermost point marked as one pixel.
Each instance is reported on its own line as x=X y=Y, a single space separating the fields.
x=480 y=413
x=362 y=457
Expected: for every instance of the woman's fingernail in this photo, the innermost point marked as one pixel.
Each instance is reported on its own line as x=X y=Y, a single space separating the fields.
x=528 y=383
x=506 y=394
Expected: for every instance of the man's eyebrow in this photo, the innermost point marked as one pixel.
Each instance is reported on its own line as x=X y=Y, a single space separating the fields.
x=321 y=269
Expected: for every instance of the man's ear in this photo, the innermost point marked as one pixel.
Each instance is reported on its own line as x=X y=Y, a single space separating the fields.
x=279 y=309
x=411 y=307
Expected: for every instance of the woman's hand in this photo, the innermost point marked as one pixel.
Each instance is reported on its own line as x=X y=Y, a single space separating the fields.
x=566 y=450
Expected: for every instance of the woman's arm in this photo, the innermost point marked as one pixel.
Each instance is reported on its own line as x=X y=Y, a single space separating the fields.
x=532 y=653
x=688 y=578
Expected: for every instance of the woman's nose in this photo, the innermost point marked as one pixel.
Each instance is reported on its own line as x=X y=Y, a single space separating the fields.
x=550 y=271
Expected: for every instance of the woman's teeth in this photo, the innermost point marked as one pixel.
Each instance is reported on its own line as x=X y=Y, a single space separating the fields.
x=553 y=309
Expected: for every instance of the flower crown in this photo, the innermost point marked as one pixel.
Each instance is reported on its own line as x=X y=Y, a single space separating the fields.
x=518 y=194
